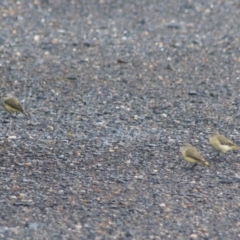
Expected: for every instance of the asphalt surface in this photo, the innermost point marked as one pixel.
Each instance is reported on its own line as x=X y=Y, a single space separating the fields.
x=114 y=88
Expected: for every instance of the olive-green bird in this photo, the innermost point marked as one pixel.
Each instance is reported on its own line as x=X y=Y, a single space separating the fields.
x=221 y=144
x=191 y=155
x=12 y=105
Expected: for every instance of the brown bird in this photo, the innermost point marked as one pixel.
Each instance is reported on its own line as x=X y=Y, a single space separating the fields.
x=12 y=105
x=191 y=155
x=221 y=144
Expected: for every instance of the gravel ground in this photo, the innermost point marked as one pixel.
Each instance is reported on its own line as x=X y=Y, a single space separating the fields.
x=113 y=89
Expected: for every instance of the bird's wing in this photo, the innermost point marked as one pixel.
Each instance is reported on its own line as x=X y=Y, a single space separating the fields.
x=195 y=155
x=225 y=141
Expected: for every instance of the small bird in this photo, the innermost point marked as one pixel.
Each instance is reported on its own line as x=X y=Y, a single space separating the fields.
x=221 y=144
x=191 y=155
x=12 y=105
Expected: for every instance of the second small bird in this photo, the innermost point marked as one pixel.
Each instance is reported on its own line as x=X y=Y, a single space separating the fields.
x=221 y=144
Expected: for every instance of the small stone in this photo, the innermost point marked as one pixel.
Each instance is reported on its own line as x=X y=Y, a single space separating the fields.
x=193 y=235
x=128 y=162
x=36 y=38
x=61 y=192
x=191 y=93
x=140 y=177
x=12 y=137
x=154 y=172
x=3 y=229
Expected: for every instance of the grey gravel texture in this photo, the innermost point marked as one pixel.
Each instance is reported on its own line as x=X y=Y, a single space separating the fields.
x=113 y=89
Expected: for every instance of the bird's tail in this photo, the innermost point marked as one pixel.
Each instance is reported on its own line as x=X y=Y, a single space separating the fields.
x=235 y=147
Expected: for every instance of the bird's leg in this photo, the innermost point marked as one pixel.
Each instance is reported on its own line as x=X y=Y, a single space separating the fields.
x=189 y=167
x=10 y=126
x=193 y=166
x=216 y=156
